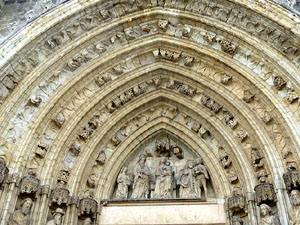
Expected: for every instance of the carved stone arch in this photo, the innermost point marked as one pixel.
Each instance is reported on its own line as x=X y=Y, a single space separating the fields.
x=94 y=142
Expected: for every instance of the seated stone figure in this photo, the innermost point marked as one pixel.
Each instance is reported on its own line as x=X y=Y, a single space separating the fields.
x=266 y=217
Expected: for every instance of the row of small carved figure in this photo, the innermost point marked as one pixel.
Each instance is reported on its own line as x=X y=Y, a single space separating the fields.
x=22 y=216
x=190 y=180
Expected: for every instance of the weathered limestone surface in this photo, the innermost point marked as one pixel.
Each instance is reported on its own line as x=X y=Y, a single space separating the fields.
x=187 y=106
x=211 y=213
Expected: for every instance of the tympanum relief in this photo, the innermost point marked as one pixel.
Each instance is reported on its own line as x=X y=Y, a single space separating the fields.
x=164 y=168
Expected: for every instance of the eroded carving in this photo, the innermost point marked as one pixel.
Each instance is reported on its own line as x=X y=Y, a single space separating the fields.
x=22 y=216
x=266 y=216
x=124 y=181
x=60 y=196
x=57 y=217
x=141 y=175
x=265 y=193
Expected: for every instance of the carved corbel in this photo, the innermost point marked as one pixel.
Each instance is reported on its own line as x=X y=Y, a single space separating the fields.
x=265 y=193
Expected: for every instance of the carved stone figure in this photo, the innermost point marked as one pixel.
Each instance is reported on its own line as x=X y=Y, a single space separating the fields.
x=164 y=180
x=295 y=209
x=187 y=181
x=201 y=176
x=141 y=179
x=236 y=220
x=266 y=217
x=57 y=217
x=124 y=182
x=22 y=215
x=88 y=221
x=3 y=171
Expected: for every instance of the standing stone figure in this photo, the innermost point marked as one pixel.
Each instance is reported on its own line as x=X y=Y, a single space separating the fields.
x=295 y=210
x=57 y=217
x=266 y=217
x=123 y=184
x=187 y=182
x=141 y=175
x=22 y=215
x=201 y=176
x=164 y=180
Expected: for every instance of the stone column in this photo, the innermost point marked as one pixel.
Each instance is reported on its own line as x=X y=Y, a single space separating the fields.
x=282 y=202
x=72 y=216
x=41 y=211
x=10 y=197
x=251 y=208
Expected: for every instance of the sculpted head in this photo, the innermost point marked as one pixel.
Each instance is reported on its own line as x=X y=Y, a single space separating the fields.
x=87 y=221
x=295 y=197
x=265 y=210
x=57 y=216
x=142 y=159
x=26 y=205
x=190 y=164
x=198 y=161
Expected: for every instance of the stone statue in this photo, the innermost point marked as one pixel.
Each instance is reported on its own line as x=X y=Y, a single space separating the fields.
x=141 y=175
x=124 y=182
x=295 y=210
x=164 y=180
x=187 y=182
x=22 y=215
x=201 y=176
x=236 y=220
x=57 y=217
x=266 y=217
x=88 y=221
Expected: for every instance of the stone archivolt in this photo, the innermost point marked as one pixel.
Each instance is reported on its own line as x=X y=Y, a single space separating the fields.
x=112 y=85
